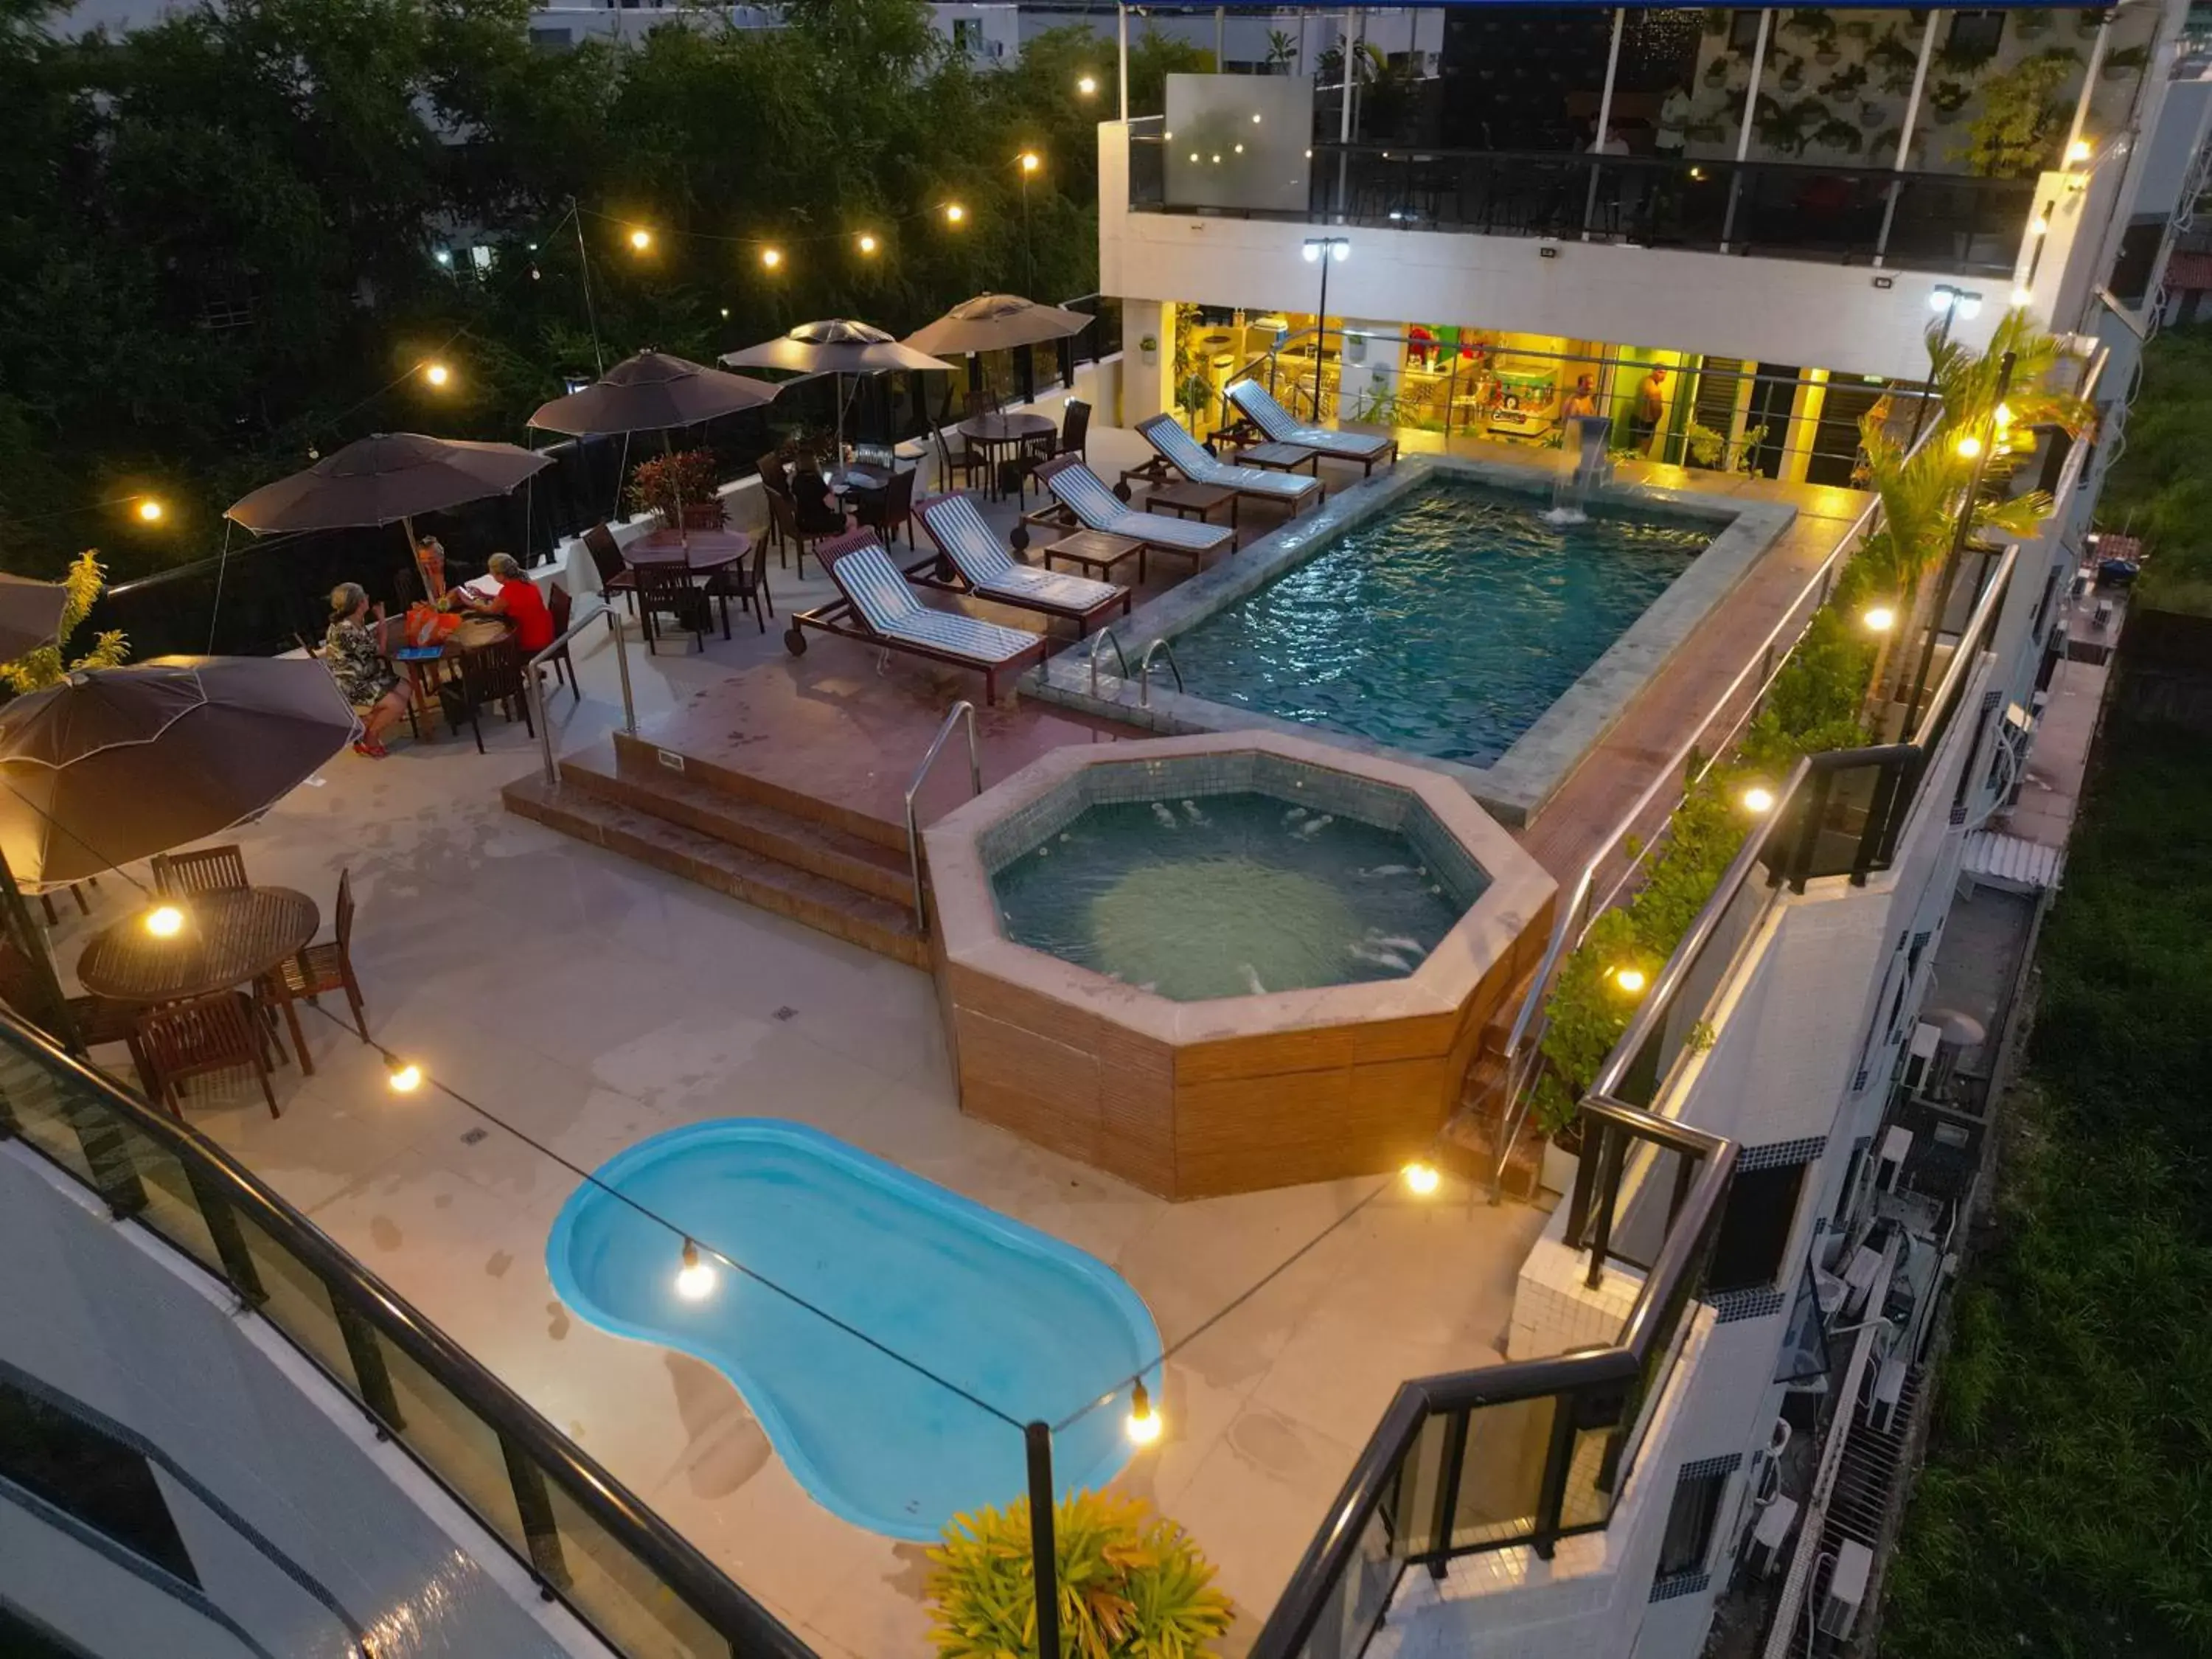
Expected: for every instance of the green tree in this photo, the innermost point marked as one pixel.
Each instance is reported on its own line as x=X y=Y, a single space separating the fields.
x=43 y=668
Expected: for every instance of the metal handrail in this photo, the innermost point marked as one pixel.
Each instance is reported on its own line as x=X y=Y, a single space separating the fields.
x=1765 y=659
x=1145 y=670
x=1105 y=636
x=534 y=681
x=226 y=1192
x=963 y=710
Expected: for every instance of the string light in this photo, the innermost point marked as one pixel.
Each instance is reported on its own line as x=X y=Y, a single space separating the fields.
x=165 y=921
x=1031 y=160
x=1968 y=448
x=1879 y=619
x=406 y=1078
x=771 y=257
x=954 y=213
x=641 y=239
x=867 y=243
x=1144 y=1422
x=694 y=1280
x=1421 y=1176
x=150 y=510
x=437 y=374
x=1631 y=980
x=1087 y=85
x=1759 y=800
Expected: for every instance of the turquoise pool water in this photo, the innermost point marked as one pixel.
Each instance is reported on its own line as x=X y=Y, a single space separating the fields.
x=1227 y=896
x=1445 y=625
x=1025 y=1323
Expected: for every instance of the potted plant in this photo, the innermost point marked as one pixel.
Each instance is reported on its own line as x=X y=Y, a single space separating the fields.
x=1845 y=84
x=1872 y=115
x=1895 y=61
x=1788 y=127
x=1132 y=1584
x=2089 y=19
x=1716 y=20
x=1818 y=29
x=1946 y=100
x=2118 y=65
x=1148 y=348
x=1792 y=77
x=2030 y=23
x=1858 y=29
x=2015 y=132
x=1717 y=72
x=1836 y=133
x=678 y=478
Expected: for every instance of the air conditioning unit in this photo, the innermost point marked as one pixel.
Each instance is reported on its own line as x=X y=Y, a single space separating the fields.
x=1847 y=1588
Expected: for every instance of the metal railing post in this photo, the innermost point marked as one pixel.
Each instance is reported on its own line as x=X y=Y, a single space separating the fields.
x=533 y=1504
x=1551 y=1495
x=1044 y=1555
x=1145 y=670
x=621 y=666
x=962 y=711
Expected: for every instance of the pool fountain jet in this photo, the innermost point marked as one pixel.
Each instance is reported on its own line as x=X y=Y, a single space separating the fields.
x=1592 y=470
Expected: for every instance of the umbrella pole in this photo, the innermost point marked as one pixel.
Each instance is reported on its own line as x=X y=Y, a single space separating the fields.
x=676 y=481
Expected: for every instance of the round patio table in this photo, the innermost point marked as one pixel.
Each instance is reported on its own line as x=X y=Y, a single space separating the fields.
x=993 y=433
x=229 y=938
x=704 y=549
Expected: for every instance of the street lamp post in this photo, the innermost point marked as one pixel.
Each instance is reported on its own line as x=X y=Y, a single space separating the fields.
x=1952 y=303
x=1324 y=250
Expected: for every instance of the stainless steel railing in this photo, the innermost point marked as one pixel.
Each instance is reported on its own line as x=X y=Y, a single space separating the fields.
x=962 y=711
x=1145 y=670
x=533 y=675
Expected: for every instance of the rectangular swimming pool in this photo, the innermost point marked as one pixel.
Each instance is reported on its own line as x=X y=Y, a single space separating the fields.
x=1435 y=614
x=1444 y=625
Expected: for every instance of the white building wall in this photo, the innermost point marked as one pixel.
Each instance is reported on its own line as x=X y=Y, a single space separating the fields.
x=101 y=1314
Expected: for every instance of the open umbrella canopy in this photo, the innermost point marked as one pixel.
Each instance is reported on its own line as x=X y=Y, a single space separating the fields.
x=836 y=346
x=30 y=615
x=116 y=764
x=996 y=322
x=651 y=392
x=383 y=479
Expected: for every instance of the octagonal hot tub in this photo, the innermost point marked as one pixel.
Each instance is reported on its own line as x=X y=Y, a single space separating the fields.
x=1216 y=964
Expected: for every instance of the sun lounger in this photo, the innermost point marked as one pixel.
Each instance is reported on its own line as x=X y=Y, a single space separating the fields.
x=1084 y=494
x=879 y=608
x=1178 y=449
x=989 y=572
x=1281 y=427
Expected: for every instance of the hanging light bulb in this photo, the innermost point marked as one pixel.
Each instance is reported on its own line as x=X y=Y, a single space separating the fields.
x=150 y=510
x=954 y=213
x=771 y=258
x=641 y=239
x=867 y=243
x=165 y=921
x=694 y=1280
x=1143 y=1424
x=406 y=1078
x=437 y=374
x=1421 y=1176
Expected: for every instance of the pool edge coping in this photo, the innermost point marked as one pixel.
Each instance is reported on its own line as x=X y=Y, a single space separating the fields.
x=1515 y=786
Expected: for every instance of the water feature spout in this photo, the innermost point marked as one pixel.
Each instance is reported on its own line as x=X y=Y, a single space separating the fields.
x=1592 y=471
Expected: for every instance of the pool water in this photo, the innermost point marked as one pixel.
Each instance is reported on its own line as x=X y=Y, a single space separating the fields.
x=872 y=1278
x=1227 y=896
x=1444 y=625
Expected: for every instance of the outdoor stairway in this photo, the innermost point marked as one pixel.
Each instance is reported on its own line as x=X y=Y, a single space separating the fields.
x=1470 y=1148
x=739 y=835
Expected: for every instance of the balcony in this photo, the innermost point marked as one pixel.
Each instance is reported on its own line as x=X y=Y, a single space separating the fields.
x=1940 y=223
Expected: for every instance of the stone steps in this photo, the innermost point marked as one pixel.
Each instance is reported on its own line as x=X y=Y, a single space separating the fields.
x=849 y=886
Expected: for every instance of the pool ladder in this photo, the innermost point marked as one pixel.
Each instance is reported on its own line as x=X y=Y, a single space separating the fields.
x=1105 y=636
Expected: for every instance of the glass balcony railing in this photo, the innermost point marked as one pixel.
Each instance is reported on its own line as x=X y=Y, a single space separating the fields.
x=1936 y=221
x=583 y=1538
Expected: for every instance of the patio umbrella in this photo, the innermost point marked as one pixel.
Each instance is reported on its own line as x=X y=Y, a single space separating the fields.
x=30 y=615
x=653 y=393
x=996 y=322
x=388 y=478
x=112 y=765
x=835 y=346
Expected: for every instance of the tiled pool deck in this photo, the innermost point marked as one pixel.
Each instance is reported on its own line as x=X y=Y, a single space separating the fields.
x=588 y=1002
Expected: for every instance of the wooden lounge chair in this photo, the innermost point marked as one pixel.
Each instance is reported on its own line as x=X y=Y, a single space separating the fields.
x=986 y=569
x=1175 y=447
x=879 y=608
x=1281 y=427
x=1095 y=506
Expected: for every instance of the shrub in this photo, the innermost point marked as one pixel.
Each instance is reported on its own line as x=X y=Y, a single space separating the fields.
x=1132 y=1584
x=43 y=668
x=656 y=485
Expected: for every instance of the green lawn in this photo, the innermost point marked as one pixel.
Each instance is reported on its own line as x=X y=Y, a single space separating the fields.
x=2066 y=1506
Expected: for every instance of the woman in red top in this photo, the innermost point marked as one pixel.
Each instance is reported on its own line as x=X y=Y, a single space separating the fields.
x=520 y=602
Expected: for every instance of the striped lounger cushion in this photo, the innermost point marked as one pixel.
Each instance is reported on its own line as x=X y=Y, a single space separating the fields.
x=1189 y=457
x=959 y=529
x=1085 y=493
x=1282 y=426
x=867 y=577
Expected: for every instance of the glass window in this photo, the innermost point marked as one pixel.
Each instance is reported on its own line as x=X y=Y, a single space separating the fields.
x=89 y=1474
x=1690 y=1524
x=1754 y=1230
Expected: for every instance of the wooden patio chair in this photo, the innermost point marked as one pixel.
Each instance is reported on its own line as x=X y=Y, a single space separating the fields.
x=563 y=664
x=203 y=870
x=181 y=1040
x=327 y=966
x=671 y=591
x=745 y=581
x=98 y=1020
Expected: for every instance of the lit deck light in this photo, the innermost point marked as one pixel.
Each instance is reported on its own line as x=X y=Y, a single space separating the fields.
x=2079 y=151
x=406 y=1078
x=1144 y=1422
x=1879 y=619
x=165 y=921
x=1631 y=980
x=1758 y=800
x=1968 y=448
x=694 y=1280
x=2039 y=226
x=1421 y=1177
x=2022 y=295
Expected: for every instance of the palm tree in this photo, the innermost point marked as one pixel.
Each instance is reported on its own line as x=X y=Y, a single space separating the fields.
x=1282 y=50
